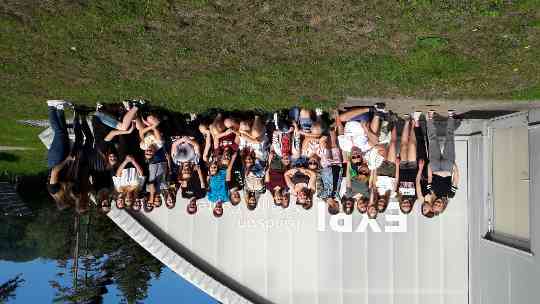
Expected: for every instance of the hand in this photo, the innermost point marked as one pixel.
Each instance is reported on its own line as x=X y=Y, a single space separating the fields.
x=271 y=155
x=129 y=158
x=70 y=157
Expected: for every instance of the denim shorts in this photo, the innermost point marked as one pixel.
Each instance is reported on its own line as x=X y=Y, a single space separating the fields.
x=362 y=117
x=107 y=120
x=305 y=123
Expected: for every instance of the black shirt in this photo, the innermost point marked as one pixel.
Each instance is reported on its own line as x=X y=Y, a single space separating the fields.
x=193 y=189
x=442 y=186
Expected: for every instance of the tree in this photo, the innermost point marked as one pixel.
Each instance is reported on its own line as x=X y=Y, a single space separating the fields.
x=8 y=289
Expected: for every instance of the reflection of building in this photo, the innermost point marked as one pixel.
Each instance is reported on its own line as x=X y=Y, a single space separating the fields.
x=483 y=249
x=10 y=202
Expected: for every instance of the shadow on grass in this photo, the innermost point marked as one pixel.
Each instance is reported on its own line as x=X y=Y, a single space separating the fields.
x=9 y=157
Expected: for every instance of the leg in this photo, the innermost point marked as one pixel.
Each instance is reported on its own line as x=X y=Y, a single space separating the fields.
x=450 y=146
x=352 y=113
x=420 y=143
x=128 y=119
x=412 y=147
x=79 y=136
x=404 y=146
x=257 y=129
x=391 y=155
x=433 y=142
x=375 y=125
x=140 y=127
x=60 y=143
x=107 y=119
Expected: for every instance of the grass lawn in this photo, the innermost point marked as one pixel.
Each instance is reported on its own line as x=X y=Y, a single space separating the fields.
x=195 y=54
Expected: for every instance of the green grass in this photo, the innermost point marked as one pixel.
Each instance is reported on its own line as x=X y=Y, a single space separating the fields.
x=196 y=54
x=27 y=162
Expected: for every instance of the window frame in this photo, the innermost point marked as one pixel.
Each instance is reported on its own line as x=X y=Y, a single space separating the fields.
x=519 y=119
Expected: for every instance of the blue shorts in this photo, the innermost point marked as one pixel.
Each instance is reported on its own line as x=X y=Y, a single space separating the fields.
x=305 y=123
x=107 y=120
x=361 y=117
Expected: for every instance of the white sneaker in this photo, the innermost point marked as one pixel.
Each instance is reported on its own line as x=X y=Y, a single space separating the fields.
x=416 y=115
x=192 y=116
x=59 y=104
x=98 y=106
x=127 y=104
x=381 y=107
x=276 y=120
x=318 y=112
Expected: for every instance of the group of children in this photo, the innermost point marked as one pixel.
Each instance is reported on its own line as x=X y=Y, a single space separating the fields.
x=136 y=156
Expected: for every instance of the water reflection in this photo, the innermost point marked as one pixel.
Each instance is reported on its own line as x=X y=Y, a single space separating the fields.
x=84 y=257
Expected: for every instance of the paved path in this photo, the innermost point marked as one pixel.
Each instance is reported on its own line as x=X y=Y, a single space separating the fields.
x=10 y=148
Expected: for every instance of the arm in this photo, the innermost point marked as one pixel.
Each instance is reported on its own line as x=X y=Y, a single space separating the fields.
x=228 y=176
x=372 y=178
x=137 y=166
x=207 y=146
x=430 y=174
x=115 y=133
x=348 y=175
x=271 y=156
x=195 y=144
x=249 y=138
x=223 y=134
x=174 y=145
x=288 y=178
x=312 y=178
x=148 y=129
x=373 y=138
x=201 y=177
x=122 y=166
x=397 y=174
x=421 y=165
x=455 y=176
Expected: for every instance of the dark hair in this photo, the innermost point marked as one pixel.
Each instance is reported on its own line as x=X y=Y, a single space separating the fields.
x=192 y=210
x=376 y=214
x=172 y=195
x=117 y=197
x=344 y=205
x=250 y=194
x=410 y=198
x=333 y=210
x=244 y=154
x=217 y=214
x=429 y=214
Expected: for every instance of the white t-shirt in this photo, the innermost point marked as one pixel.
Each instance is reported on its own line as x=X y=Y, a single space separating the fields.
x=374 y=159
x=258 y=148
x=354 y=136
x=130 y=178
x=149 y=140
x=386 y=183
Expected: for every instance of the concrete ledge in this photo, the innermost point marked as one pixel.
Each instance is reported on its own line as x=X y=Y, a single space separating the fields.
x=172 y=260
